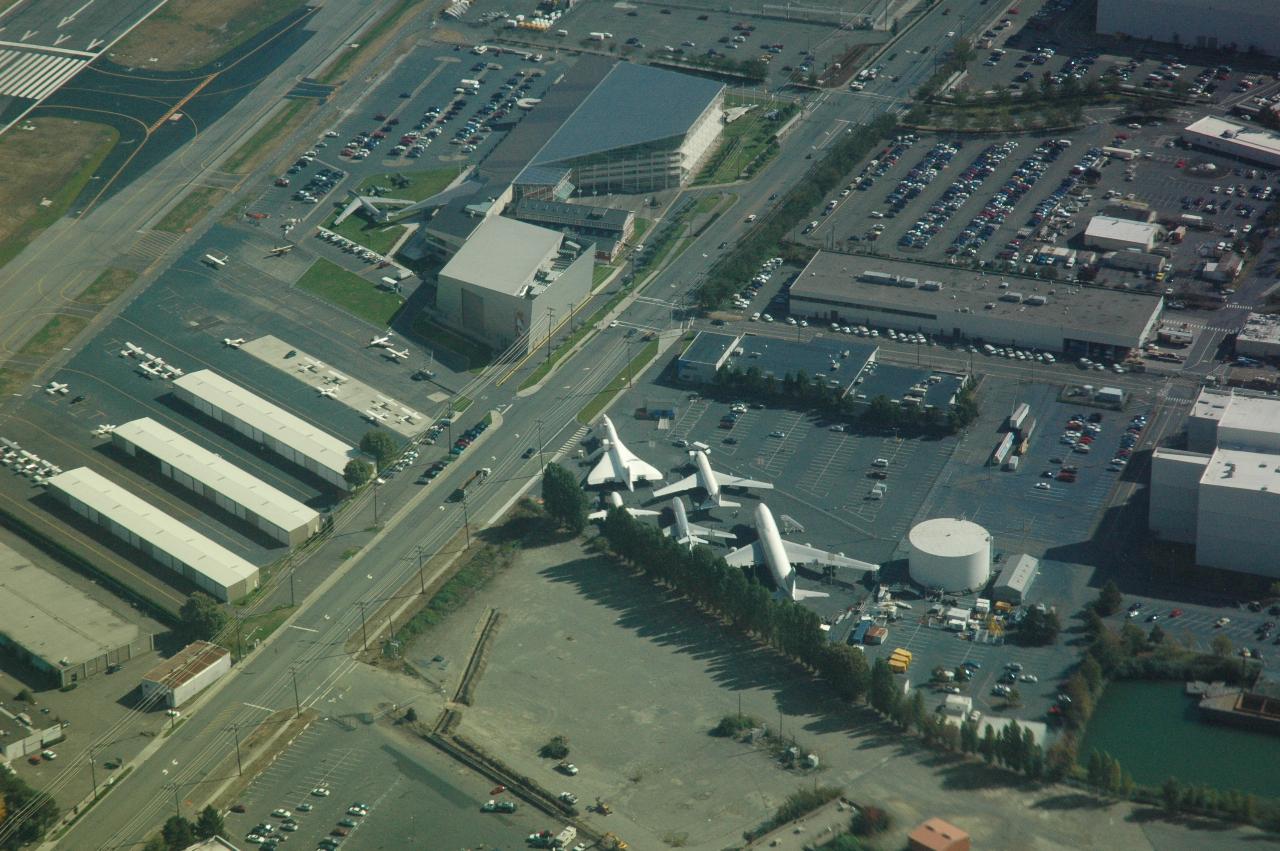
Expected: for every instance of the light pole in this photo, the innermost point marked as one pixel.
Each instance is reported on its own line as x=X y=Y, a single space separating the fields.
x=93 y=773
x=297 y=701
x=235 y=730
x=364 y=634
x=542 y=464
x=466 y=521
x=375 y=502
x=422 y=583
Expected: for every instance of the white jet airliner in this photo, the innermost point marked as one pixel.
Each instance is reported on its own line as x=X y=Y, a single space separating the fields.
x=620 y=464
x=780 y=555
x=710 y=481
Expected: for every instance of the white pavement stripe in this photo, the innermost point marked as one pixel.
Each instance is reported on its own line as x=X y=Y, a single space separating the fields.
x=68 y=69
x=35 y=75
x=33 y=81
x=7 y=57
x=51 y=75
x=16 y=74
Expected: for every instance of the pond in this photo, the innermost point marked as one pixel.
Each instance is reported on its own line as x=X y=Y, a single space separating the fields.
x=1154 y=731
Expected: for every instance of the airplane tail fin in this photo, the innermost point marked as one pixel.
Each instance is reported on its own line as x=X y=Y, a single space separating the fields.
x=718 y=503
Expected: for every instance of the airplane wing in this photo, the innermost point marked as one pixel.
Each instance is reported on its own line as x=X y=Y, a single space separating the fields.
x=638 y=469
x=688 y=483
x=802 y=554
x=605 y=471
x=642 y=512
x=800 y=594
x=703 y=531
x=752 y=553
x=598 y=515
x=727 y=481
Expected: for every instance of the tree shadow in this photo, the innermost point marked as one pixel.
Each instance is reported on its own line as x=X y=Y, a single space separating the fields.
x=1073 y=801
x=969 y=775
x=1149 y=815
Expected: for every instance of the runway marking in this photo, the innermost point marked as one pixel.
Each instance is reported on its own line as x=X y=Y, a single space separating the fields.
x=12 y=7
x=35 y=75
x=256 y=706
x=65 y=50
x=303 y=628
x=69 y=18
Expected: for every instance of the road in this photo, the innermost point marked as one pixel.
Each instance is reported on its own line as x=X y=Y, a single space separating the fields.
x=310 y=652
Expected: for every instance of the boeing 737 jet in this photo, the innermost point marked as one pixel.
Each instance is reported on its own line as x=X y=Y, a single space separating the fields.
x=780 y=556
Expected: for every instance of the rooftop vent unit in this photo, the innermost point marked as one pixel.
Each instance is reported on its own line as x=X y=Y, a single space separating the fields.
x=1016 y=298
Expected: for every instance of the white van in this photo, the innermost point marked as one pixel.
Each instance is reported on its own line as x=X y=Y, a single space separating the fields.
x=989 y=349
x=880 y=462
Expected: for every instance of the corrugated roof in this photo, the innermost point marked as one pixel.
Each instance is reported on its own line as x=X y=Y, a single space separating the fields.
x=152 y=525
x=503 y=255
x=186 y=663
x=217 y=473
x=572 y=215
x=289 y=430
x=1110 y=227
x=633 y=105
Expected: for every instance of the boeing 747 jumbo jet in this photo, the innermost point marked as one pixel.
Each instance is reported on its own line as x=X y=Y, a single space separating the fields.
x=615 y=501
x=619 y=464
x=688 y=533
x=779 y=555
x=710 y=481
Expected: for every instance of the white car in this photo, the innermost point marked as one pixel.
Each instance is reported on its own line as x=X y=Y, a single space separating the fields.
x=281 y=812
x=1042 y=486
x=320 y=792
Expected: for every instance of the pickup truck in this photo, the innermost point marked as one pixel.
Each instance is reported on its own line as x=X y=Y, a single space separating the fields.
x=476 y=479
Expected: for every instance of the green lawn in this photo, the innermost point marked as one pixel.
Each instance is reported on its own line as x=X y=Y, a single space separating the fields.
x=421 y=184
x=350 y=292
x=600 y=272
x=598 y=402
x=371 y=235
x=190 y=209
x=434 y=335
x=108 y=286
x=742 y=141
x=641 y=228
x=279 y=127
x=55 y=334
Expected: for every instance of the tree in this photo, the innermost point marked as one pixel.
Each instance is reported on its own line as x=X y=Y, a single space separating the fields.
x=882 y=691
x=1171 y=795
x=380 y=445
x=209 y=824
x=564 y=498
x=156 y=843
x=1133 y=638
x=1106 y=648
x=1091 y=673
x=1156 y=636
x=987 y=747
x=357 y=472
x=1093 y=623
x=557 y=748
x=1221 y=646
x=846 y=669
x=1040 y=628
x=1109 y=599
x=178 y=832
x=201 y=618
x=1096 y=771
x=1060 y=760
x=1115 y=775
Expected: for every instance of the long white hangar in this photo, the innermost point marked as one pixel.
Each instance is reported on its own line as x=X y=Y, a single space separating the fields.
x=211 y=476
x=294 y=439
x=210 y=566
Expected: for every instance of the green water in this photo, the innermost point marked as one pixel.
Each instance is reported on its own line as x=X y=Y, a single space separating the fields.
x=1154 y=731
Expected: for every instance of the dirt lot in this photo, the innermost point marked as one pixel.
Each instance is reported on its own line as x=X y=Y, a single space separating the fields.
x=188 y=34
x=41 y=171
x=636 y=680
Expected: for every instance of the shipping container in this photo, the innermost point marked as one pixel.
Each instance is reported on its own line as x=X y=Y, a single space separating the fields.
x=876 y=635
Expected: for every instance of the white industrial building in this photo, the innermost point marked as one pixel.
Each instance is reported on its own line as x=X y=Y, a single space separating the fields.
x=1092 y=322
x=213 y=477
x=1243 y=26
x=1111 y=233
x=187 y=673
x=511 y=282
x=291 y=437
x=1015 y=579
x=950 y=554
x=1223 y=494
x=1247 y=142
x=211 y=567
x=1260 y=337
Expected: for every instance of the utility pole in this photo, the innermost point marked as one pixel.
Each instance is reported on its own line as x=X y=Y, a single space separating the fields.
x=239 y=646
x=235 y=730
x=550 y=312
x=542 y=465
x=177 y=806
x=466 y=521
x=364 y=634
x=93 y=773
x=375 y=501
x=297 y=701
x=422 y=583
x=293 y=600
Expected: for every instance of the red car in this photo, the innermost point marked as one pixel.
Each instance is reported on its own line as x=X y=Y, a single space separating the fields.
x=1175 y=613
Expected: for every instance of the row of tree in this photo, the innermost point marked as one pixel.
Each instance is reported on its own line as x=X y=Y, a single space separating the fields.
x=16 y=798
x=179 y=832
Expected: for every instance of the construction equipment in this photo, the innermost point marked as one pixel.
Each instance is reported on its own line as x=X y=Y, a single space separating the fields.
x=612 y=842
x=603 y=808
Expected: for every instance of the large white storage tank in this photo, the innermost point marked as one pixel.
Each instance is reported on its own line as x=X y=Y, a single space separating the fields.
x=949 y=553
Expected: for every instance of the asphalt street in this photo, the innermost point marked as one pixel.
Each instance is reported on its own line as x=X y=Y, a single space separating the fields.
x=310 y=650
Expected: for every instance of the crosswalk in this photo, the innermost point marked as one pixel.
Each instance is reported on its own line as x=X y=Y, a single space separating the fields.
x=1210 y=326
x=35 y=74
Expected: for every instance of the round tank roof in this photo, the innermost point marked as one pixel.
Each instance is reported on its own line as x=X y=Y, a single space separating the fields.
x=949 y=537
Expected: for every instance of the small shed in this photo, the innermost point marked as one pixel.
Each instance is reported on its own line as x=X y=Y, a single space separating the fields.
x=1015 y=579
x=187 y=673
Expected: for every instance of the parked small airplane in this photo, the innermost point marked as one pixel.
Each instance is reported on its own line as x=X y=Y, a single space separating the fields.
x=233 y=343
x=381 y=342
x=392 y=354
x=54 y=388
x=690 y=533
x=216 y=260
x=779 y=555
x=619 y=464
x=281 y=250
x=710 y=481
x=614 y=500
x=328 y=392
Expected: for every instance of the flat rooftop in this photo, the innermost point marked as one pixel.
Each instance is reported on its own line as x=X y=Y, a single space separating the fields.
x=504 y=255
x=834 y=277
x=1111 y=227
x=152 y=525
x=779 y=357
x=1242 y=470
x=1234 y=410
x=894 y=381
x=186 y=663
x=263 y=416
x=51 y=619
x=216 y=473
x=1245 y=136
x=708 y=347
x=1261 y=328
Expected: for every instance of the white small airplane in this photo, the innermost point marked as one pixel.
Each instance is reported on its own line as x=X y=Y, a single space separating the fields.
x=328 y=392
x=54 y=388
x=233 y=343
x=215 y=260
x=381 y=342
x=779 y=555
x=281 y=250
x=690 y=533
x=619 y=464
x=614 y=500
x=710 y=481
x=133 y=349
x=392 y=354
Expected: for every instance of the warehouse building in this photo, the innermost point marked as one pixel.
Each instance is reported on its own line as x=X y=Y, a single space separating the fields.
x=1015 y=579
x=20 y=735
x=187 y=673
x=58 y=630
x=1247 y=142
x=1110 y=233
x=1223 y=494
x=609 y=228
x=211 y=476
x=511 y=282
x=1260 y=337
x=641 y=129
x=709 y=351
x=1243 y=26
x=1089 y=322
x=209 y=566
x=290 y=437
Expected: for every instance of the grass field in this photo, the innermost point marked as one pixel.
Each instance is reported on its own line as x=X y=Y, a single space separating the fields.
x=55 y=334
x=433 y=334
x=187 y=34
x=247 y=157
x=190 y=209
x=258 y=627
x=42 y=170
x=370 y=40
x=600 y=272
x=598 y=402
x=742 y=142
x=108 y=286
x=350 y=292
x=422 y=184
x=372 y=236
